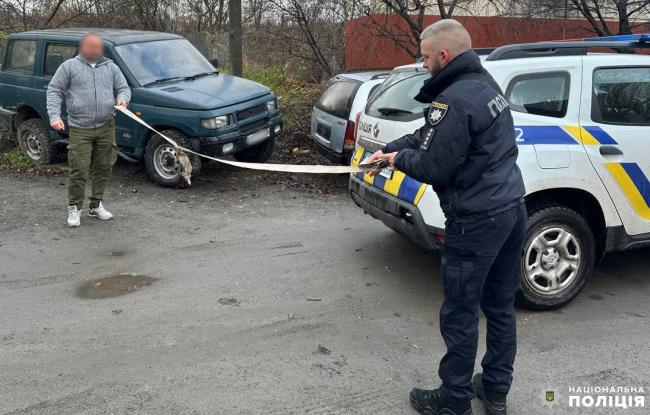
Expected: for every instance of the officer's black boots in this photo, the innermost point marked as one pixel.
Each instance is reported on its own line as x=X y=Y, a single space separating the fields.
x=431 y=402
x=495 y=403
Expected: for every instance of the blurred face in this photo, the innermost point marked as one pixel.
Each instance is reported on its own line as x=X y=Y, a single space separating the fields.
x=92 y=48
x=434 y=58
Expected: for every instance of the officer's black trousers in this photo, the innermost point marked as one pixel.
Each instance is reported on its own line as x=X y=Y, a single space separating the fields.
x=480 y=267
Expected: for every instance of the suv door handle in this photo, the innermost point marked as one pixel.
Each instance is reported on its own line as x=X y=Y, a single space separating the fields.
x=610 y=151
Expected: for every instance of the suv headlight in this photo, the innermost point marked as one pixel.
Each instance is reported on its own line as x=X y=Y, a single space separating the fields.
x=216 y=122
x=272 y=105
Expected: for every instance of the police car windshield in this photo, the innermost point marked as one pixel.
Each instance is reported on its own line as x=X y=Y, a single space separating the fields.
x=395 y=98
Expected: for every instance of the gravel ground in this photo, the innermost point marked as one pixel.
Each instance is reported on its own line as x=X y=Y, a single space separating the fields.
x=252 y=293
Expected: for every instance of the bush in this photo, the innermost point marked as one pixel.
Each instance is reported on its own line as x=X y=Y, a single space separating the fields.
x=295 y=98
x=14 y=158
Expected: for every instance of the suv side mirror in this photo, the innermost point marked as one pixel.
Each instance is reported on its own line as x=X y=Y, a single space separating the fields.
x=214 y=62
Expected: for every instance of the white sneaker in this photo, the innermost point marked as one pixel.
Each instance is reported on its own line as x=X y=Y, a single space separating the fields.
x=74 y=218
x=100 y=212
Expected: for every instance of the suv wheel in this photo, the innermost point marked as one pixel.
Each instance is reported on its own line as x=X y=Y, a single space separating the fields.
x=161 y=162
x=260 y=153
x=559 y=254
x=35 y=142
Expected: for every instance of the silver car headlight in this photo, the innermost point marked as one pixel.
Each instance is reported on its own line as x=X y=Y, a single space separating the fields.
x=272 y=105
x=216 y=122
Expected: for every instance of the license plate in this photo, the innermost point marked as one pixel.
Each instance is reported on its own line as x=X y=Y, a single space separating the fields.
x=324 y=131
x=258 y=136
x=388 y=174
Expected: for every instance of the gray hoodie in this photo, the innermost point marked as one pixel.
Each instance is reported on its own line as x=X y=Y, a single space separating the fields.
x=90 y=92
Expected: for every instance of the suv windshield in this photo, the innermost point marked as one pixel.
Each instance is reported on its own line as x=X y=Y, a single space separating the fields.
x=163 y=60
x=394 y=100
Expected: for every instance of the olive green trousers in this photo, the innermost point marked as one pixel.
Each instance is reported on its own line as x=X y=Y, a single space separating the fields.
x=91 y=154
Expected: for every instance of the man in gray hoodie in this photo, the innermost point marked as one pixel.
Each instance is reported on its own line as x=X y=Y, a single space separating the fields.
x=91 y=85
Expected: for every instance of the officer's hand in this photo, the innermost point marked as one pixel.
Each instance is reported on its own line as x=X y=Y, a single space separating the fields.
x=58 y=125
x=375 y=156
x=390 y=158
x=121 y=103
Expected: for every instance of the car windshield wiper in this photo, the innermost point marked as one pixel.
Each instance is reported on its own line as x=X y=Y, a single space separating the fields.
x=200 y=75
x=178 y=78
x=171 y=78
x=392 y=111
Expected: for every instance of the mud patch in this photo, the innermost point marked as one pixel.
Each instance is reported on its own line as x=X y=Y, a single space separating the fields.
x=228 y=301
x=114 y=286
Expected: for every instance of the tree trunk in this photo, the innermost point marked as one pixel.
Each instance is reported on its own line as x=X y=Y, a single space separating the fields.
x=235 y=37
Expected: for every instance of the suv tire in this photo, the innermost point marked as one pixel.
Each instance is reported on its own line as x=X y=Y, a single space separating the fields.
x=161 y=162
x=559 y=254
x=35 y=142
x=259 y=153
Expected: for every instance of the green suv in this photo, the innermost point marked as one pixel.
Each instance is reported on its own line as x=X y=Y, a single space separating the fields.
x=174 y=88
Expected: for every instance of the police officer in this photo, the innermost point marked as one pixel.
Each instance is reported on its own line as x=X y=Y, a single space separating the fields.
x=466 y=151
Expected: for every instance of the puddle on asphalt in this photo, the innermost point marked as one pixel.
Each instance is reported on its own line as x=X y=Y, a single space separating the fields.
x=114 y=285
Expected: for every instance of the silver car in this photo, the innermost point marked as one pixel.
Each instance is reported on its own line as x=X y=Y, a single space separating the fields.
x=336 y=113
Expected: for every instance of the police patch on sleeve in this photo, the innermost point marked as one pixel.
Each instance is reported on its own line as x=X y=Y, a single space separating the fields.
x=437 y=112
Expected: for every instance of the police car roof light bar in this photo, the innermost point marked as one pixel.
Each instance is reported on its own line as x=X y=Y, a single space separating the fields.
x=641 y=38
x=569 y=48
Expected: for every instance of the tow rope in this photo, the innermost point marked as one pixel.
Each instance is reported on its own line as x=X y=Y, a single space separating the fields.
x=186 y=166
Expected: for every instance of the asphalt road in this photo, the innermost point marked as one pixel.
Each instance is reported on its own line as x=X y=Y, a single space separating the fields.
x=266 y=298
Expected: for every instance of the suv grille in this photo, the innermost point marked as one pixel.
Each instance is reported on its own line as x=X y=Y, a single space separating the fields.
x=254 y=126
x=251 y=112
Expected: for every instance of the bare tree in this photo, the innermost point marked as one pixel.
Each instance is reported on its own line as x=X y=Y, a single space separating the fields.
x=606 y=17
x=311 y=30
x=235 y=37
x=623 y=11
x=412 y=14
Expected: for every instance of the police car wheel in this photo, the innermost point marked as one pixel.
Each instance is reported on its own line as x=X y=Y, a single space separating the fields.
x=35 y=142
x=559 y=253
x=161 y=162
x=260 y=153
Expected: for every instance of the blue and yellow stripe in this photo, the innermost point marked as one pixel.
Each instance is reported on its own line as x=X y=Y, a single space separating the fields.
x=568 y=135
x=399 y=185
x=589 y=135
x=634 y=184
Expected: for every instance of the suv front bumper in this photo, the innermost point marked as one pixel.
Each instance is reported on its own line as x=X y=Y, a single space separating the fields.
x=236 y=141
x=397 y=214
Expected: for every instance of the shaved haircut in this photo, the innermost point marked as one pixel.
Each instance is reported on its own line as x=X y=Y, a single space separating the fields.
x=448 y=34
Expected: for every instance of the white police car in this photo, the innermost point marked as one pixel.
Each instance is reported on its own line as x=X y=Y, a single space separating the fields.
x=582 y=122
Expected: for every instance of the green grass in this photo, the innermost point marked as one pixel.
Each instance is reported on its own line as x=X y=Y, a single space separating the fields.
x=294 y=97
x=14 y=158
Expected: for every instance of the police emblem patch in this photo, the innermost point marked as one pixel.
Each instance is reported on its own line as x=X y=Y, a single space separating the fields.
x=437 y=112
x=550 y=396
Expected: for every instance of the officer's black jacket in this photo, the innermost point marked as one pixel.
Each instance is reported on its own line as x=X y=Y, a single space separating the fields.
x=466 y=150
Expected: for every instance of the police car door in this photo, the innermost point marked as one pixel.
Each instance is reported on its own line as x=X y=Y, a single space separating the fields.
x=615 y=121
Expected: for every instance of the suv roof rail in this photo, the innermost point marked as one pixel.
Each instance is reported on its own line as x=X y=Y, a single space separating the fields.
x=380 y=75
x=570 y=47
